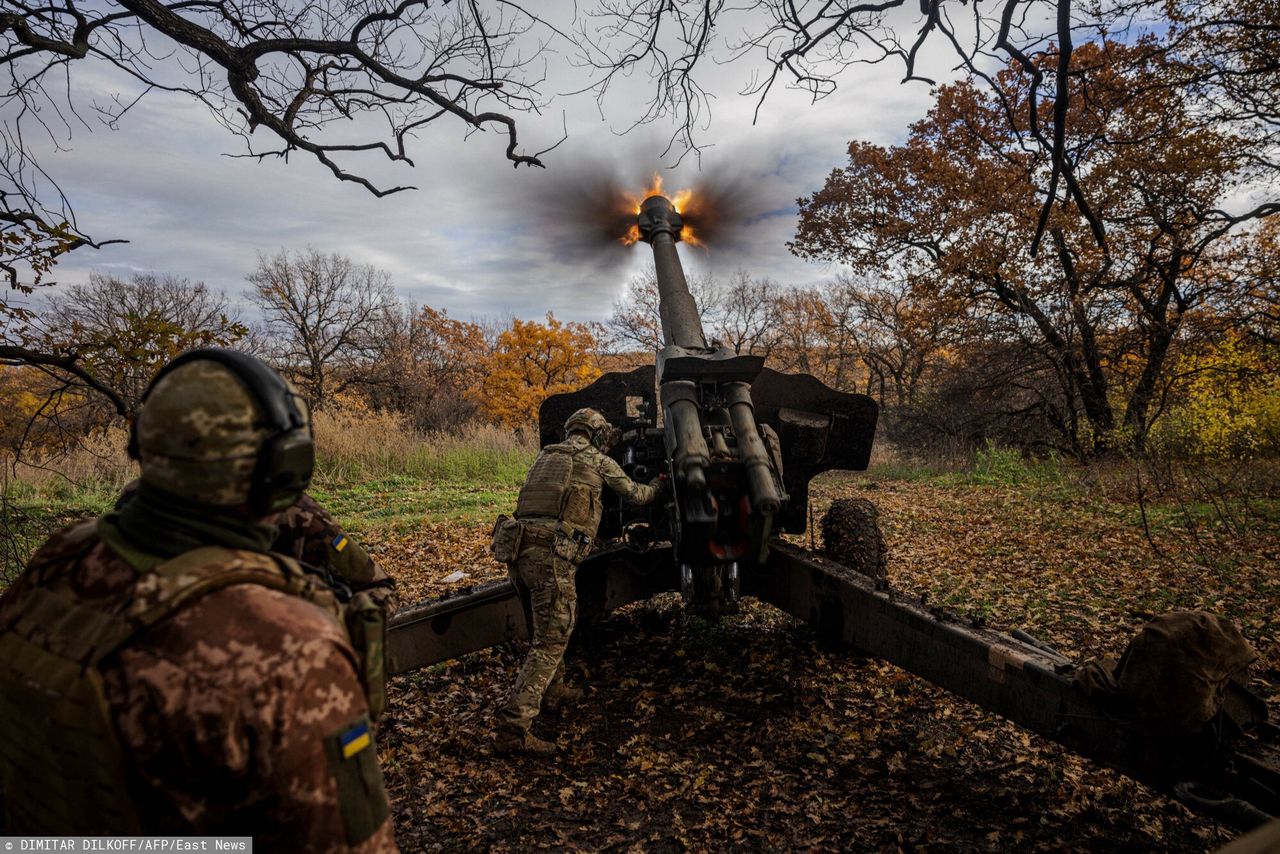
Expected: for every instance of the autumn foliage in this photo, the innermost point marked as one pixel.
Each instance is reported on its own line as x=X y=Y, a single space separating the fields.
x=1138 y=310
x=1094 y=307
x=531 y=361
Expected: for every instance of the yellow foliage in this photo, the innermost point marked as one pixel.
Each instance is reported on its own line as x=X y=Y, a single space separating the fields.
x=23 y=393
x=1231 y=408
x=348 y=401
x=533 y=361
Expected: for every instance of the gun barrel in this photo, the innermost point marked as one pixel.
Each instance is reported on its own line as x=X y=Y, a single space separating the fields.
x=686 y=446
x=660 y=226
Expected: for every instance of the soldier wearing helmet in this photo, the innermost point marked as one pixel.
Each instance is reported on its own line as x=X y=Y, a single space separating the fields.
x=557 y=516
x=163 y=672
x=309 y=534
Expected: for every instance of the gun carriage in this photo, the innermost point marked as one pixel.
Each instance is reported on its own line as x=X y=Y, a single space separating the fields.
x=741 y=443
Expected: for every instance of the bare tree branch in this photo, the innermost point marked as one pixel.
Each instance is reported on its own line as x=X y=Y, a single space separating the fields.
x=71 y=363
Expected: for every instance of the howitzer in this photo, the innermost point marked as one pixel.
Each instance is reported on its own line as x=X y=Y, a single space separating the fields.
x=741 y=443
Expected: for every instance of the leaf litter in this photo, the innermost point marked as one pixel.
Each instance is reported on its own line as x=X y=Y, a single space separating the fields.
x=749 y=735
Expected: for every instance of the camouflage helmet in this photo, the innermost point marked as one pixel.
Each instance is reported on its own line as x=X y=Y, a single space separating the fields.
x=603 y=434
x=201 y=432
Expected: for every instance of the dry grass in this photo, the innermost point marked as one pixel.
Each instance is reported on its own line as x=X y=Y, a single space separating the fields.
x=38 y=494
x=96 y=461
x=350 y=447
x=369 y=464
x=354 y=447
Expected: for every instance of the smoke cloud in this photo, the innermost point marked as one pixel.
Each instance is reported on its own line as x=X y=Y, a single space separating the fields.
x=593 y=206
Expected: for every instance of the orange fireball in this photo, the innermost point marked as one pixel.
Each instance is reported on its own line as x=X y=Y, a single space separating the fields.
x=680 y=200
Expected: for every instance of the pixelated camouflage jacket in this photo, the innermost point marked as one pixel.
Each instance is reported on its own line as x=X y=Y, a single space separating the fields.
x=235 y=714
x=310 y=535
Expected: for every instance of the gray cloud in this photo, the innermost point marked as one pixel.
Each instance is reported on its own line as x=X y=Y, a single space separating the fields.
x=477 y=238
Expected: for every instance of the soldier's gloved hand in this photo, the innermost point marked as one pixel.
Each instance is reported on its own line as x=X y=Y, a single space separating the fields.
x=659 y=482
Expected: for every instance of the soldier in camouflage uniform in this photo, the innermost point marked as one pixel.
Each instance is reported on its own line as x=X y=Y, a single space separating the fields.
x=308 y=534
x=311 y=536
x=551 y=545
x=161 y=672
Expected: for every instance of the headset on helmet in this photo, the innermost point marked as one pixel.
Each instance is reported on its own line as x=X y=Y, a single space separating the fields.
x=286 y=457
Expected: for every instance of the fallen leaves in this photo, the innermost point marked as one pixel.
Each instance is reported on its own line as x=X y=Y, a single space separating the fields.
x=748 y=735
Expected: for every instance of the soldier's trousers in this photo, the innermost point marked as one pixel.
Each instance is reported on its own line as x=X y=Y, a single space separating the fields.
x=552 y=604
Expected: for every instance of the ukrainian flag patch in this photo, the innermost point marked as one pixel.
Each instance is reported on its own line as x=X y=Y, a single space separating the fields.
x=353 y=761
x=355 y=739
x=340 y=542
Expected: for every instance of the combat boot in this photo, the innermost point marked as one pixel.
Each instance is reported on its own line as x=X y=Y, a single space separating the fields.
x=560 y=696
x=507 y=741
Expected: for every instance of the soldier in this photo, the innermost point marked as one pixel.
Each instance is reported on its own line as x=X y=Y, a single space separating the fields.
x=312 y=537
x=558 y=513
x=307 y=533
x=162 y=672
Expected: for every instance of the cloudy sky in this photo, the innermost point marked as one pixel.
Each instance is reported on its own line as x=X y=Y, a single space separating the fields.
x=475 y=238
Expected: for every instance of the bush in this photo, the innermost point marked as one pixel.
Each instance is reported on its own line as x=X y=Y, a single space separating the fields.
x=997 y=466
x=1231 y=408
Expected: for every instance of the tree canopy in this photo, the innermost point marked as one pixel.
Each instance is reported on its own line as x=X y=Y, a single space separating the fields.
x=956 y=209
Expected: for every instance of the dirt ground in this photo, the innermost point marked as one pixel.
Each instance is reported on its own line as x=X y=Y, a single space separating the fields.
x=748 y=735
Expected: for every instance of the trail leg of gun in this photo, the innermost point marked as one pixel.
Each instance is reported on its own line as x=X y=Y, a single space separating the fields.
x=443 y=629
x=1014 y=679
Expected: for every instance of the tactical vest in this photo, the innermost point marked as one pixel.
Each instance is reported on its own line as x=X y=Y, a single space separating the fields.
x=563 y=484
x=546 y=488
x=61 y=764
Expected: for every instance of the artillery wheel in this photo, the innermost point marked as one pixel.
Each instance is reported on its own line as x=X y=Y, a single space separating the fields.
x=851 y=537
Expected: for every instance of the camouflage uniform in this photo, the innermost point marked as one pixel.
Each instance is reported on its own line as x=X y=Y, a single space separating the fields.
x=226 y=710
x=309 y=535
x=546 y=583
x=226 y=683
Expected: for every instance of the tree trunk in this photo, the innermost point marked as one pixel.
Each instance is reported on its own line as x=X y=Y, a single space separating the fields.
x=1135 y=415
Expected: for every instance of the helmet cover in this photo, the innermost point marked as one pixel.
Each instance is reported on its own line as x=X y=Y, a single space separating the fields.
x=199 y=434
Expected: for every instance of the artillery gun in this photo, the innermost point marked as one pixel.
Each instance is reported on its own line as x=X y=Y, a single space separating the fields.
x=741 y=443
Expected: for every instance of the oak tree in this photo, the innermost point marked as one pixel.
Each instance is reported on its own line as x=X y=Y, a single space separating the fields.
x=118 y=333
x=428 y=367
x=323 y=315
x=532 y=361
x=959 y=204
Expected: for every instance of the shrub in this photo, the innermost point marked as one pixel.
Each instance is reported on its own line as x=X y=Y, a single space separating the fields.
x=997 y=466
x=1231 y=409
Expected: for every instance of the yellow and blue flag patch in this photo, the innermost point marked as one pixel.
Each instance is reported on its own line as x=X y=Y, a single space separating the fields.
x=355 y=739
x=340 y=542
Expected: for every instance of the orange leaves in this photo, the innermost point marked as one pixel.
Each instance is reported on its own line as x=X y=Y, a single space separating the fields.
x=533 y=361
x=971 y=213
x=30 y=247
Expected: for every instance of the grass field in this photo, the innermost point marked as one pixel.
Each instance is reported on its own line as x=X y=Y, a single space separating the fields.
x=372 y=472
x=746 y=734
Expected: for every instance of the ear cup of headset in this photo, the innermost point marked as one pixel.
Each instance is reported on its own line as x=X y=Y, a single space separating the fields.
x=285 y=468
x=134 y=452
x=605 y=438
